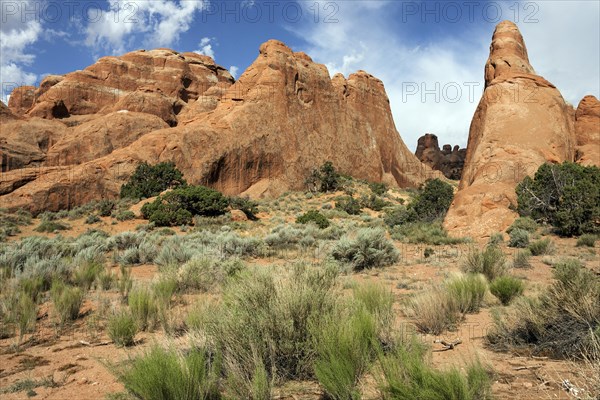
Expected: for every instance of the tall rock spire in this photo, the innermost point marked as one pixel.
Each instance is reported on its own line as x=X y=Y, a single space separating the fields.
x=521 y=122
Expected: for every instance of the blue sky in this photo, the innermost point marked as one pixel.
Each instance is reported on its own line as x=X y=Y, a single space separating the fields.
x=429 y=54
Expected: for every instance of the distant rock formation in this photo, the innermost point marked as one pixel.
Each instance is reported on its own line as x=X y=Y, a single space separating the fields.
x=449 y=160
x=587 y=131
x=86 y=132
x=521 y=122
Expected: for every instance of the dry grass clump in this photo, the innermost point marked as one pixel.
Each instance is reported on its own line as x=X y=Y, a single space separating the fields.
x=490 y=262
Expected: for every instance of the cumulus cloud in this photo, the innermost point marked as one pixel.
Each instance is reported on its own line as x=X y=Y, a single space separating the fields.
x=433 y=73
x=206 y=48
x=233 y=70
x=17 y=34
x=158 y=23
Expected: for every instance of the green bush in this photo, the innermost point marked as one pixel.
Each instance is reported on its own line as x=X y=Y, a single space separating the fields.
x=424 y=232
x=563 y=322
x=142 y=307
x=151 y=180
x=378 y=189
x=406 y=376
x=518 y=238
x=166 y=373
x=244 y=204
x=541 y=247
x=496 y=239
x=349 y=205
x=344 y=351
x=524 y=223
x=106 y=207
x=51 y=226
x=325 y=179
x=567 y=196
x=373 y=202
x=315 y=217
x=122 y=328
x=85 y=275
x=178 y=206
x=521 y=259
x=400 y=215
x=432 y=202
x=506 y=288
x=67 y=301
x=92 y=219
x=587 y=240
x=368 y=249
x=490 y=262
x=467 y=291
x=125 y=215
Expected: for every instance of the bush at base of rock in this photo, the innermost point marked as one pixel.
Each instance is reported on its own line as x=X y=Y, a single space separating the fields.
x=315 y=217
x=179 y=206
x=567 y=196
x=349 y=205
x=151 y=180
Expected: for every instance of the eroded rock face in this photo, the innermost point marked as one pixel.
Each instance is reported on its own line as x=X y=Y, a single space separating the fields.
x=521 y=122
x=158 y=82
x=261 y=136
x=21 y=99
x=449 y=160
x=587 y=131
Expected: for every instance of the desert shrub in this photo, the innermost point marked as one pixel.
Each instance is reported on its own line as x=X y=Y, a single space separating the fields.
x=25 y=314
x=151 y=180
x=399 y=215
x=32 y=286
x=325 y=179
x=467 y=291
x=92 y=219
x=433 y=200
x=345 y=348
x=434 y=311
x=349 y=205
x=85 y=275
x=490 y=262
x=518 y=238
x=106 y=279
x=587 y=240
x=67 y=301
x=203 y=273
x=373 y=202
x=424 y=232
x=124 y=215
x=506 y=288
x=232 y=244
x=178 y=206
x=562 y=322
x=106 y=207
x=51 y=226
x=378 y=301
x=246 y=205
x=521 y=259
x=315 y=217
x=405 y=375
x=378 y=188
x=567 y=196
x=125 y=282
x=368 y=249
x=524 y=223
x=167 y=373
x=243 y=329
x=541 y=247
x=142 y=307
x=122 y=328
x=496 y=239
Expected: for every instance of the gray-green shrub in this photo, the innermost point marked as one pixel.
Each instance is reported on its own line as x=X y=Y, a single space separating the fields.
x=368 y=249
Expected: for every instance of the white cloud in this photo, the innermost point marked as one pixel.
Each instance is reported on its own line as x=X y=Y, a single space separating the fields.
x=233 y=70
x=563 y=47
x=16 y=35
x=206 y=48
x=158 y=22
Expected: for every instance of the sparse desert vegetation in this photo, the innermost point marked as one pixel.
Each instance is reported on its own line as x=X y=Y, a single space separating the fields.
x=298 y=299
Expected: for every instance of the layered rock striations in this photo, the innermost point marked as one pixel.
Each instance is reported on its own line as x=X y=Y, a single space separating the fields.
x=261 y=135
